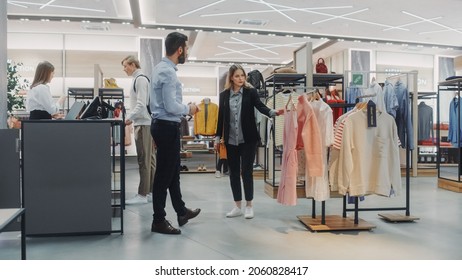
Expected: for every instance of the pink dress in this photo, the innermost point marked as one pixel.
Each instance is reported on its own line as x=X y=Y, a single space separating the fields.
x=287 y=191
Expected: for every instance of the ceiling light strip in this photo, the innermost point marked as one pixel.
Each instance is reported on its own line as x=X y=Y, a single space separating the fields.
x=409 y=24
x=201 y=8
x=341 y=16
x=59 y=6
x=436 y=23
x=276 y=10
x=46 y=4
x=254 y=45
x=243 y=53
x=14 y=3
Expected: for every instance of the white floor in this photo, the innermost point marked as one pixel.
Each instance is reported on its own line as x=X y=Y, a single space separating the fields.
x=274 y=233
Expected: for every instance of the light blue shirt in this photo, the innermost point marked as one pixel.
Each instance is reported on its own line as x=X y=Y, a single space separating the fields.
x=236 y=136
x=391 y=101
x=166 y=93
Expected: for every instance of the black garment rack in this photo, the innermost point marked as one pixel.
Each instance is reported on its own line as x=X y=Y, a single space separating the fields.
x=334 y=223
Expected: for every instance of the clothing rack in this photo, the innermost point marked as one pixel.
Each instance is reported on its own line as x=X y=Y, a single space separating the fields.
x=334 y=222
x=410 y=77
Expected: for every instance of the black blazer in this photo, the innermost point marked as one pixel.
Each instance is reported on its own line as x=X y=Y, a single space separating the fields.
x=250 y=100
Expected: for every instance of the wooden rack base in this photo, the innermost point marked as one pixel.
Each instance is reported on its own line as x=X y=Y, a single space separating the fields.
x=395 y=218
x=450 y=185
x=334 y=223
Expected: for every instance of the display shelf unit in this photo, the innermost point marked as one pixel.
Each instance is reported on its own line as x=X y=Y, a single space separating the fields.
x=426 y=154
x=450 y=175
x=198 y=146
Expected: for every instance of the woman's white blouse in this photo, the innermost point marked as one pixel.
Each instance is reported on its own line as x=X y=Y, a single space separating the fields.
x=39 y=98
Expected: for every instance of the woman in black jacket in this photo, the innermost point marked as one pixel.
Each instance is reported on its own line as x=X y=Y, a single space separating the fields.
x=237 y=126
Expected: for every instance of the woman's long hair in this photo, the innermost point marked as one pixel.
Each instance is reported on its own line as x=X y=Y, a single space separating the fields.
x=42 y=73
x=231 y=71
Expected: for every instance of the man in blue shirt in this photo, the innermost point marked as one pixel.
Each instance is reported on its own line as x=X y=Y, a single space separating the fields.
x=167 y=109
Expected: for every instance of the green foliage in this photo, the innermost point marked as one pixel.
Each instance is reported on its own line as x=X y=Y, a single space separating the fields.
x=15 y=85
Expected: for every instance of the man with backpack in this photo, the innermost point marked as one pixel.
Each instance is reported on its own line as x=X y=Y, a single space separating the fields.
x=140 y=116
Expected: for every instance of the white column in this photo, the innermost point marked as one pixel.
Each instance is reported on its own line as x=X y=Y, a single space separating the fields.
x=3 y=58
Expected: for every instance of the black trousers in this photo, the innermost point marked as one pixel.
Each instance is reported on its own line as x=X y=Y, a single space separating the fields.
x=166 y=135
x=222 y=163
x=240 y=163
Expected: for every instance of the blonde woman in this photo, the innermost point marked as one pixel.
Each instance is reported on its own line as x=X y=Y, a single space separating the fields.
x=236 y=121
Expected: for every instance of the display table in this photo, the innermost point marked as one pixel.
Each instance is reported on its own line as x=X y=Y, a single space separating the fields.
x=8 y=216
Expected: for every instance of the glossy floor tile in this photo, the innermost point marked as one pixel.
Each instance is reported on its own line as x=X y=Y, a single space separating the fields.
x=274 y=233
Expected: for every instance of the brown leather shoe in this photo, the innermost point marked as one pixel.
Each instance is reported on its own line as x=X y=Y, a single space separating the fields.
x=164 y=227
x=182 y=220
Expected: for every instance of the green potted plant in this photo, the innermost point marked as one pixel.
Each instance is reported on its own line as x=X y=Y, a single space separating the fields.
x=16 y=91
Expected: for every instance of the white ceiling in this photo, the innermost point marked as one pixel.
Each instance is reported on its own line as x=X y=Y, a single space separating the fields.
x=260 y=31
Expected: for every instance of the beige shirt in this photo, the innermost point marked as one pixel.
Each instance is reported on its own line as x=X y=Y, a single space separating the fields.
x=369 y=156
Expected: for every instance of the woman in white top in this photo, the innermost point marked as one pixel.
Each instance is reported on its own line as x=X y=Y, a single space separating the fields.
x=40 y=104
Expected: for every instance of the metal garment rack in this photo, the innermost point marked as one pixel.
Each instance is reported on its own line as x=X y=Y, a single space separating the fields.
x=335 y=222
x=393 y=217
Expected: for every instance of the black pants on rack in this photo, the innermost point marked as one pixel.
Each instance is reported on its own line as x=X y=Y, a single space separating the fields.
x=166 y=135
x=240 y=163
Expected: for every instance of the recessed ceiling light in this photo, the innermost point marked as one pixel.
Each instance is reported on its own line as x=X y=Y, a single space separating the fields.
x=357 y=41
x=44 y=19
x=340 y=39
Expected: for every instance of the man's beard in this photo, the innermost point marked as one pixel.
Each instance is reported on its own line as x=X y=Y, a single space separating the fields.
x=182 y=58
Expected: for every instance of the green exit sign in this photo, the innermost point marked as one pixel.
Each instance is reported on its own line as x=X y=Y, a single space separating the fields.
x=358 y=79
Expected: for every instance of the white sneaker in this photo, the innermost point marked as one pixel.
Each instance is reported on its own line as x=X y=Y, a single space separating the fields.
x=138 y=199
x=217 y=174
x=149 y=197
x=234 y=213
x=248 y=212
